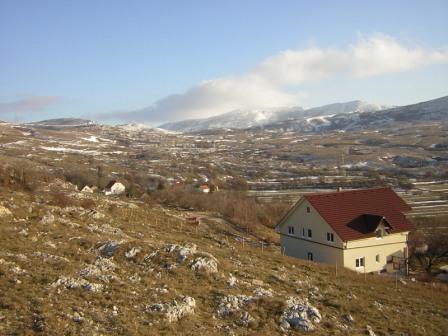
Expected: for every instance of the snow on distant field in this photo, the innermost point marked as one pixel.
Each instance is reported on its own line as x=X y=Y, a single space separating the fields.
x=69 y=150
x=92 y=138
x=356 y=165
x=165 y=131
x=9 y=144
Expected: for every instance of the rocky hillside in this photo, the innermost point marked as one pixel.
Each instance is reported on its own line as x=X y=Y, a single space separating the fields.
x=75 y=263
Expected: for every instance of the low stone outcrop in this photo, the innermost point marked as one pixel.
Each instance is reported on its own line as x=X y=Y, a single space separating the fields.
x=182 y=251
x=206 y=265
x=101 y=269
x=229 y=305
x=108 y=248
x=175 y=310
x=5 y=212
x=299 y=315
x=72 y=283
x=132 y=252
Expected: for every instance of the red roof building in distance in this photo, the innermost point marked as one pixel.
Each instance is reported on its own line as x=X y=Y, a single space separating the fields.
x=354 y=214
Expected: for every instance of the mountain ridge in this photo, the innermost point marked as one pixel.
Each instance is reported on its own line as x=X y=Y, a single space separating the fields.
x=241 y=119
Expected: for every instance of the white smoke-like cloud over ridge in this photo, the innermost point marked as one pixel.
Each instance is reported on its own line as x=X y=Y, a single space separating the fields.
x=276 y=81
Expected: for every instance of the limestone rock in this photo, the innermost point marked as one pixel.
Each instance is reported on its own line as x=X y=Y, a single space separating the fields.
x=182 y=251
x=369 y=331
x=259 y=292
x=300 y=315
x=48 y=219
x=72 y=283
x=231 y=281
x=174 y=310
x=5 y=212
x=204 y=264
x=108 y=248
x=230 y=304
x=132 y=252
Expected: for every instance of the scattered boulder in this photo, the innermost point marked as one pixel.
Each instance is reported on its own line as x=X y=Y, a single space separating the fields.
x=260 y=292
x=5 y=212
x=101 y=269
x=230 y=304
x=132 y=252
x=48 y=219
x=300 y=315
x=245 y=319
x=72 y=283
x=108 y=248
x=231 y=281
x=182 y=251
x=92 y=213
x=204 y=264
x=369 y=331
x=174 y=310
x=347 y=318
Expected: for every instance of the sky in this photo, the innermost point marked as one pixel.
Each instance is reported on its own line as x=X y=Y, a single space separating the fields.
x=157 y=61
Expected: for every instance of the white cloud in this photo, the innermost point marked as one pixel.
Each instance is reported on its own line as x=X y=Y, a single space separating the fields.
x=382 y=54
x=272 y=81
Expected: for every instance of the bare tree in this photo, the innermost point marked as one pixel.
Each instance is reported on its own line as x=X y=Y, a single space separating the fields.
x=429 y=250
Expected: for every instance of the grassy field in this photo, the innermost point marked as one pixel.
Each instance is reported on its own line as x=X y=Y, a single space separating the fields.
x=54 y=235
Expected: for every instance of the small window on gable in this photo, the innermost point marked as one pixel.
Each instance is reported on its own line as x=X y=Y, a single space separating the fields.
x=291 y=229
x=330 y=237
x=310 y=233
x=308 y=210
x=377 y=258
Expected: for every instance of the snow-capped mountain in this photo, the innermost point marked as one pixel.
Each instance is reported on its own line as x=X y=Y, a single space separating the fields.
x=253 y=118
x=138 y=127
x=134 y=127
x=432 y=110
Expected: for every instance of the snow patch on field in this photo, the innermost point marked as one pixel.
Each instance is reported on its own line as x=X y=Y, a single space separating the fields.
x=92 y=138
x=69 y=150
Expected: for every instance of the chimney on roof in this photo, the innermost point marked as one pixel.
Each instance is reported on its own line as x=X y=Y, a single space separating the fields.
x=339 y=189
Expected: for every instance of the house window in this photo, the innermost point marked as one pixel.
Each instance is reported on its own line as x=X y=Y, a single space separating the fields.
x=360 y=262
x=310 y=256
x=303 y=232
x=377 y=258
x=308 y=210
x=310 y=233
x=291 y=229
x=330 y=237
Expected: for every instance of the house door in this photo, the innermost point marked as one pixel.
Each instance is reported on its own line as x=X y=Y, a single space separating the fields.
x=310 y=256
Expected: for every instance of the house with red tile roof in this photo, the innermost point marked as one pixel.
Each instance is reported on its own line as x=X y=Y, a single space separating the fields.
x=365 y=230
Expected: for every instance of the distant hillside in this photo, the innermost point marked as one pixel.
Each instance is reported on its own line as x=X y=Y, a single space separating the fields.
x=432 y=110
x=61 y=123
x=240 y=119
